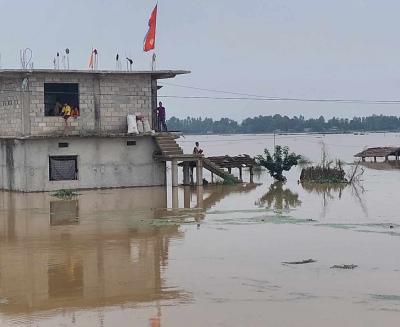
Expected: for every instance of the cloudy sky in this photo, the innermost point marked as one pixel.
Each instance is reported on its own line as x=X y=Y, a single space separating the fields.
x=347 y=49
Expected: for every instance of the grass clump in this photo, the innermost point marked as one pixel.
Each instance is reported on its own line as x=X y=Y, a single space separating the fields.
x=322 y=175
x=65 y=194
x=326 y=172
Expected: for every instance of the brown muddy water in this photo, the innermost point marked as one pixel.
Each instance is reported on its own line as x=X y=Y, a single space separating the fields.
x=212 y=256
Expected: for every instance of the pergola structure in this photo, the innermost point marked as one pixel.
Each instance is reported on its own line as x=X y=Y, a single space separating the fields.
x=379 y=152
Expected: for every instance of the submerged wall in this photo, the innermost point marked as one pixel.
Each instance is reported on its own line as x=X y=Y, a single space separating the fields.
x=102 y=162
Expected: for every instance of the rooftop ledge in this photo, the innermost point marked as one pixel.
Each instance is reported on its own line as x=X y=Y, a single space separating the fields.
x=158 y=74
x=61 y=136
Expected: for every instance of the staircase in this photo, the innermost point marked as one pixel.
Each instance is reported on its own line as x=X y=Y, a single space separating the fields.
x=169 y=149
x=167 y=145
x=217 y=170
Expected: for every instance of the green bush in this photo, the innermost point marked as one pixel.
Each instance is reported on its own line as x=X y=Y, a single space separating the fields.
x=278 y=162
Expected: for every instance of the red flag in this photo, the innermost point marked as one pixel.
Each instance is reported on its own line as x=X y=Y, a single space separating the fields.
x=150 y=38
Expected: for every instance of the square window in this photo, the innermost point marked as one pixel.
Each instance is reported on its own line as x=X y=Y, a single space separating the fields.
x=60 y=95
x=63 y=168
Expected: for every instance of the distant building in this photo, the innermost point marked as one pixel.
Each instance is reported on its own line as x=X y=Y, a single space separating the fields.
x=40 y=152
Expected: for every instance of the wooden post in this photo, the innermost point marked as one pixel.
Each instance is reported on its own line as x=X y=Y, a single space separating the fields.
x=251 y=175
x=174 y=173
x=230 y=170
x=363 y=159
x=199 y=173
x=186 y=173
x=374 y=159
x=241 y=174
x=386 y=158
x=212 y=178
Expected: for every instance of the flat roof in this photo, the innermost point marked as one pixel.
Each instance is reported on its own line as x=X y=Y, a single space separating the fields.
x=157 y=74
x=88 y=135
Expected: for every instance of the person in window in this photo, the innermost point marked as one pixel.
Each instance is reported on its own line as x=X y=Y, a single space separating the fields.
x=66 y=111
x=197 y=150
x=162 y=126
x=57 y=109
x=75 y=112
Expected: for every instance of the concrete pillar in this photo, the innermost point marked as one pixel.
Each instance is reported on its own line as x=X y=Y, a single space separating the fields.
x=386 y=158
x=212 y=178
x=374 y=159
x=200 y=197
x=186 y=196
x=230 y=170
x=25 y=112
x=175 y=199
x=186 y=173
x=174 y=173
x=251 y=175
x=241 y=174
x=154 y=105
x=363 y=159
x=97 y=96
x=199 y=173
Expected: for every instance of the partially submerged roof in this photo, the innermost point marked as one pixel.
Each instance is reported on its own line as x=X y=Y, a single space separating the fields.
x=379 y=152
x=156 y=74
x=233 y=162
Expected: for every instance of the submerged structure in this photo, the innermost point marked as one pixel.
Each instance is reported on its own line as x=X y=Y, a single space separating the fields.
x=379 y=152
x=42 y=151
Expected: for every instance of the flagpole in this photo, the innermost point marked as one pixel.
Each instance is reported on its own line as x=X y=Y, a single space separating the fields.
x=154 y=56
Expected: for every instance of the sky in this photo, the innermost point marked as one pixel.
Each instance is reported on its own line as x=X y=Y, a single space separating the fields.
x=343 y=49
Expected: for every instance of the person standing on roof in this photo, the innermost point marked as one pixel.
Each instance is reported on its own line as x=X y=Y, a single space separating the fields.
x=162 y=126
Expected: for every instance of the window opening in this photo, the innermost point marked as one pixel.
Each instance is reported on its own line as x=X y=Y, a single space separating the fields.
x=58 y=96
x=63 y=168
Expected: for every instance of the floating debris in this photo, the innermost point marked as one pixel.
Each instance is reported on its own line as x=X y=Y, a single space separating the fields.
x=344 y=266
x=299 y=262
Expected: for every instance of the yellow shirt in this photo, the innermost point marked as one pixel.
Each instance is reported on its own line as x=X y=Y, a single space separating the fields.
x=66 y=110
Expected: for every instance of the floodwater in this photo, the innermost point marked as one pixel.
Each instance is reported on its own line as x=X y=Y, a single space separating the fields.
x=210 y=256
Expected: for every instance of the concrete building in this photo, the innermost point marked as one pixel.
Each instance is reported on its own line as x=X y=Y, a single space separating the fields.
x=40 y=152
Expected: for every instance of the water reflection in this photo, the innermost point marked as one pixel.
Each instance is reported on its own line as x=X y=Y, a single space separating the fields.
x=94 y=251
x=387 y=165
x=216 y=193
x=64 y=212
x=279 y=198
x=327 y=190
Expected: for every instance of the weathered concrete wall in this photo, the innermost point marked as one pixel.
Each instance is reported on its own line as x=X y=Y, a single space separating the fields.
x=102 y=163
x=104 y=102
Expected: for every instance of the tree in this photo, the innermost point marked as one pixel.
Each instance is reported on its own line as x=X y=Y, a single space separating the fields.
x=279 y=162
